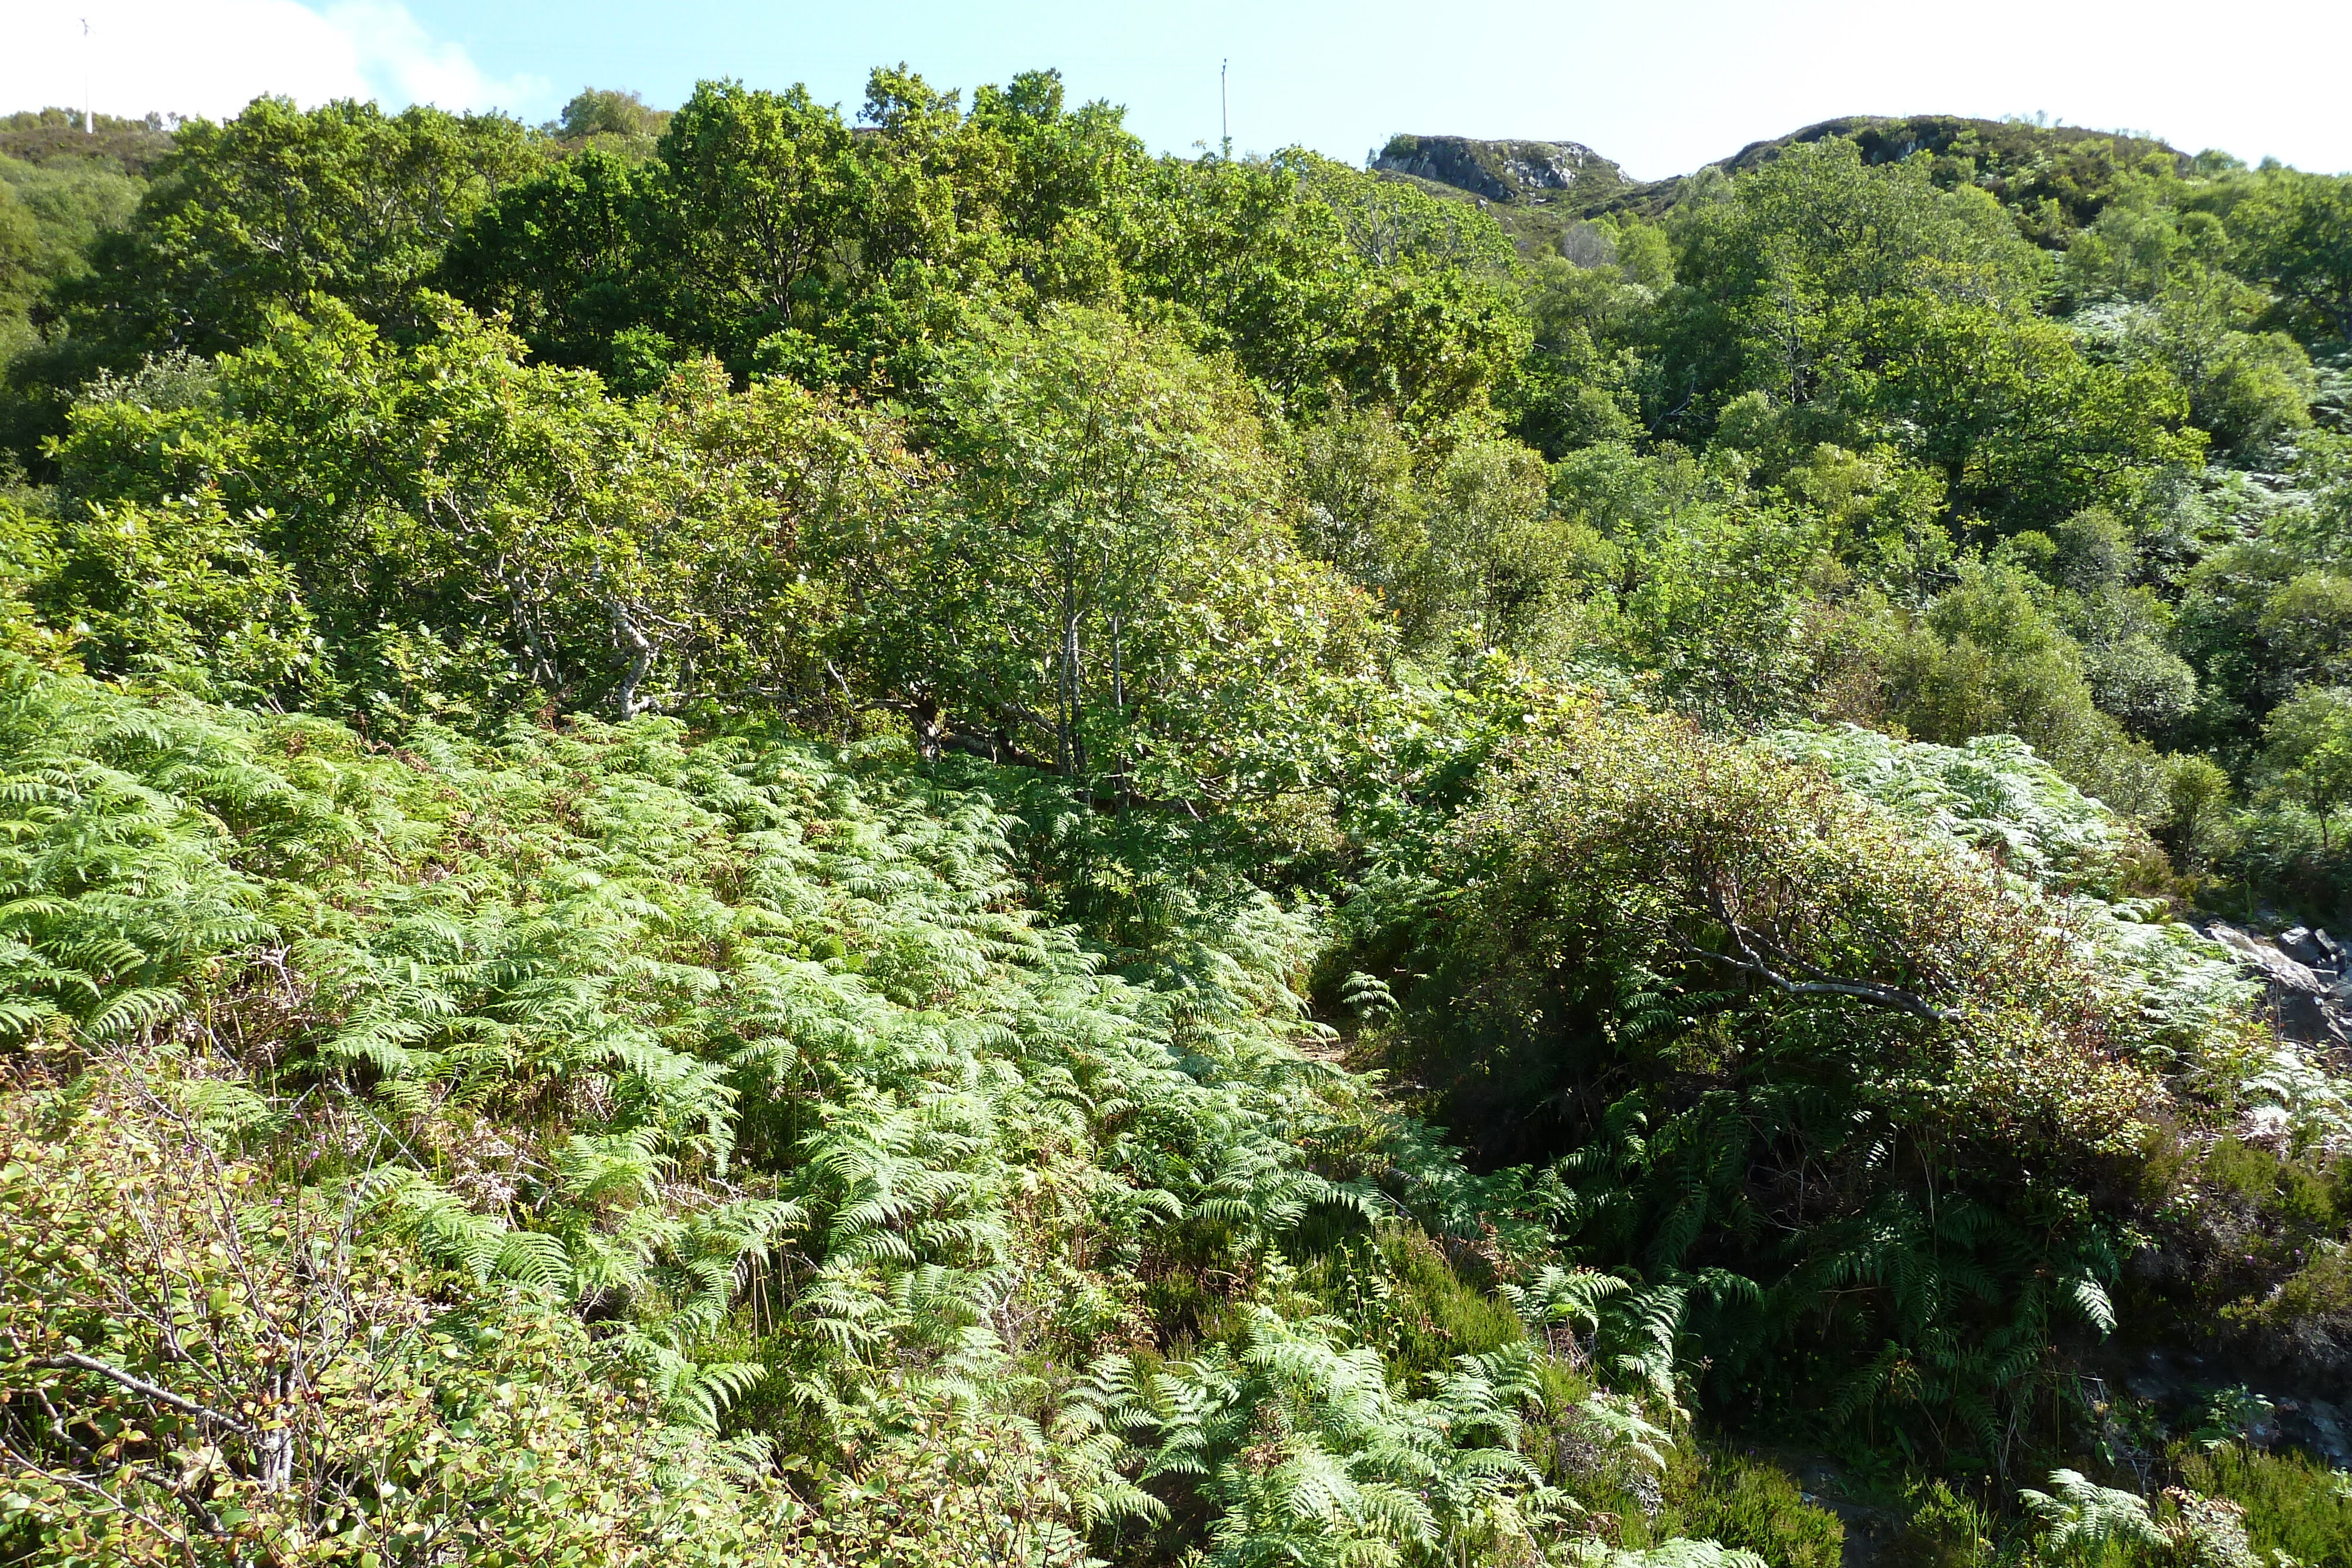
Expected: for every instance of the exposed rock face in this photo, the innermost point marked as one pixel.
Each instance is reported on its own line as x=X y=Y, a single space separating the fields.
x=2181 y=1383
x=2308 y=991
x=1512 y=171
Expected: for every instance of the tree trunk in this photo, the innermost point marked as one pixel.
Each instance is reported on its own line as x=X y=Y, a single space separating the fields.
x=274 y=1448
x=924 y=714
x=1076 y=746
x=640 y=650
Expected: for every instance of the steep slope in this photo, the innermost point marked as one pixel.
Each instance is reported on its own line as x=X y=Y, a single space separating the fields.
x=45 y=136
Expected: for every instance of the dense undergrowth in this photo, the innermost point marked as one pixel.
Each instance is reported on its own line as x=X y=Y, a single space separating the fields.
x=724 y=841
x=342 y=1073
x=713 y=1114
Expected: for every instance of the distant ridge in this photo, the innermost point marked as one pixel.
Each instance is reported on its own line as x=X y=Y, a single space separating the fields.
x=1539 y=190
x=1884 y=139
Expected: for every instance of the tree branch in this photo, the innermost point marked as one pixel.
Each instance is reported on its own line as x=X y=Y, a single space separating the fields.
x=1748 y=961
x=1860 y=990
x=640 y=650
x=64 y=1360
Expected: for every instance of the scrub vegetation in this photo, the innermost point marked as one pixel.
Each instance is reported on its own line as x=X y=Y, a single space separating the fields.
x=750 y=834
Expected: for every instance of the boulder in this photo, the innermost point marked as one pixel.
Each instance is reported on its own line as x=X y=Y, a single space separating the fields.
x=2304 y=1002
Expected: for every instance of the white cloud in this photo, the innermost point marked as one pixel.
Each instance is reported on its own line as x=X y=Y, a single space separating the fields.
x=212 y=56
x=407 y=66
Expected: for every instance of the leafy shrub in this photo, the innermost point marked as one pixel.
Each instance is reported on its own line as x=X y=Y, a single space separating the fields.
x=1677 y=966
x=1755 y=1506
x=1946 y=1529
x=235 y=1370
x=183 y=585
x=2292 y=1503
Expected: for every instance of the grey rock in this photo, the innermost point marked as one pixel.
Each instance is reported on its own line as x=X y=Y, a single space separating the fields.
x=2315 y=1426
x=2305 y=1003
x=2315 y=949
x=1515 y=172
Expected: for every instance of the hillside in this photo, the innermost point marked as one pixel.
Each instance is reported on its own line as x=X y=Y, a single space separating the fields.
x=732 y=836
x=1540 y=191
x=41 y=137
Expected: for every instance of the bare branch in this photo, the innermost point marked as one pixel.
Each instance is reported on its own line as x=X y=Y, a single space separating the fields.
x=1748 y=961
x=67 y=1359
x=1861 y=990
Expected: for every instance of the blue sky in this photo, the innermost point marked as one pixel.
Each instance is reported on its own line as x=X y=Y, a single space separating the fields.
x=1661 y=88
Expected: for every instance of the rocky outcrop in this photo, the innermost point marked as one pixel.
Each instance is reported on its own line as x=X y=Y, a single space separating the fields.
x=1517 y=173
x=1883 y=139
x=2306 y=990
x=2016 y=160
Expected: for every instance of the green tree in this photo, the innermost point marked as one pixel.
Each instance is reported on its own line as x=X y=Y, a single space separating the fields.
x=1677 y=966
x=526 y=536
x=1457 y=542
x=1864 y=306
x=1581 y=382
x=1109 y=591
x=1731 y=599
x=2307 y=745
x=1325 y=284
x=2243 y=387
x=1785 y=278
x=2025 y=428
x=2130 y=249
x=1991 y=657
x=572 y=259
x=764 y=230
x=2258 y=619
x=760 y=191
x=624 y=117
x=277 y=204
x=2294 y=235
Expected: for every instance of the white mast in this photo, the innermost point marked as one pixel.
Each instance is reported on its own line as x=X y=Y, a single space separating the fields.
x=1225 y=113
